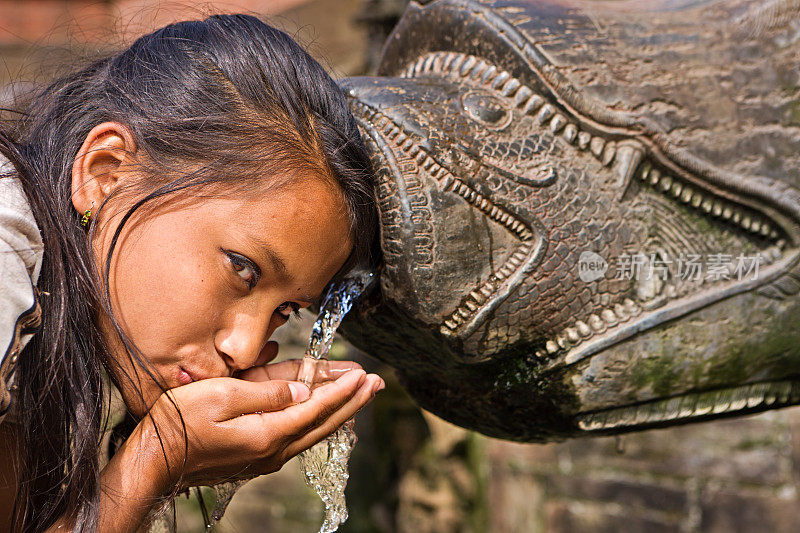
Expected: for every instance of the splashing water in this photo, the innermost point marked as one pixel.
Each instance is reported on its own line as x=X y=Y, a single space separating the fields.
x=324 y=465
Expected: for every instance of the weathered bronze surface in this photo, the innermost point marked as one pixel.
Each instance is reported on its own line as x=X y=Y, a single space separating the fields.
x=520 y=145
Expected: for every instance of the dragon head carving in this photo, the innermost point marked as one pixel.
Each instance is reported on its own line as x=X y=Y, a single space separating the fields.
x=568 y=251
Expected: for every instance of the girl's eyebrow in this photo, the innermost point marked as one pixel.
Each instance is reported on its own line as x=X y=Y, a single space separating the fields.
x=280 y=266
x=277 y=262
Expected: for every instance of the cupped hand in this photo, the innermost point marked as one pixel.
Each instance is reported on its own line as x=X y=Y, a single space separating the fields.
x=250 y=425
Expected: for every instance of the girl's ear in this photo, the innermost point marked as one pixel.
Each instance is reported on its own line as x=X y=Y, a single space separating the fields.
x=98 y=165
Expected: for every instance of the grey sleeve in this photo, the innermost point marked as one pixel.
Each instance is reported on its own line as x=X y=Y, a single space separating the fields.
x=20 y=261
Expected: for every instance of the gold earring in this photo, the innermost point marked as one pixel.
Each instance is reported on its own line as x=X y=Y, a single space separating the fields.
x=86 y=215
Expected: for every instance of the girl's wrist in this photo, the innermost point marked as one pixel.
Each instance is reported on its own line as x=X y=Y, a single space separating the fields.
x=148 y=456
x=132 y=483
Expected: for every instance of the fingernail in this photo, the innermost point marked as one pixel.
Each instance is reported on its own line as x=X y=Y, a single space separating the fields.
x=378 y=386
x=352 y=377
x=300 y=392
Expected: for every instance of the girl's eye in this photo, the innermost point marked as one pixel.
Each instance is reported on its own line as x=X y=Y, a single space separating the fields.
x=288 y=309
x=245 y=268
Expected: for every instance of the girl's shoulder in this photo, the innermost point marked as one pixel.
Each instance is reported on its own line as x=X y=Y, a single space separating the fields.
x=21 y=254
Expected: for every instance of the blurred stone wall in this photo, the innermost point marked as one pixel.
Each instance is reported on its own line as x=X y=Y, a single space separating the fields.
x=412 y=472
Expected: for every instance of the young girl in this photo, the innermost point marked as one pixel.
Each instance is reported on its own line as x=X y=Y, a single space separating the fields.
x=162 y=212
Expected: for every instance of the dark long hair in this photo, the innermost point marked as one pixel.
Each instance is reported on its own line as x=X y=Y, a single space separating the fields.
x=234 y=100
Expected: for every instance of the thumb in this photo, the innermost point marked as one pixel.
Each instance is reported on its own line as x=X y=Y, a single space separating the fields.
x=246 y=397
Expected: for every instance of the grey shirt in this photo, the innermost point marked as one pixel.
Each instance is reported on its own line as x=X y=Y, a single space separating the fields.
x=21 y=253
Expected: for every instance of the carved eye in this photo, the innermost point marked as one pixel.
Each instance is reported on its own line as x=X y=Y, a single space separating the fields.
x=486 y=109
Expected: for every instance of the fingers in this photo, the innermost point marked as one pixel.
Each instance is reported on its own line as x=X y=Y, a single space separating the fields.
x=238 y=397
x=362 y=397
x=329 y=407
x=288 y=370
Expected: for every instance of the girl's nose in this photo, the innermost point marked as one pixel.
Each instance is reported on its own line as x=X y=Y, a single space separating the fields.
x=243 y=344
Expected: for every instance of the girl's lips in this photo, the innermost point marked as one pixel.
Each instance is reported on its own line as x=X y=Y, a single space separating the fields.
x=183 y=377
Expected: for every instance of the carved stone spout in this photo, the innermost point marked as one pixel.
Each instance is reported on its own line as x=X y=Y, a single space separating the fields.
x=590 y=212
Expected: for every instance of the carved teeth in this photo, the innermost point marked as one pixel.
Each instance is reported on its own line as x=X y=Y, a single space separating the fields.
x=645 y=170
x=706 y=205
x=746 y=222
x=467 y=66
x=477 y=297
x=551 y=347
x=500 y=79
x=697 y=199
x=756 y=396
x=557 y=123
x=596 y=323
x=424 y=65
x=773 y=253
x=583 y=328
x=451 y=61
x=608 y=153
x=737 y=217
x=477 y=70
x=631 y=307
x=687 y=194
x=654 y=177
x=510 y=87
x=627 y=160
x=486 y=291
x=583 y=140
x=572 y=335
x=534 y=103
x=609 y=317
x=450 y=324
x=520 y=255
x=522 y=95
x=545 y=113
x=666 y=183
x=489 y=73
x=570 y=133
x=716 y=209
x=727 y=212
x=676 y=189
x=562 y=342
x=596 y=145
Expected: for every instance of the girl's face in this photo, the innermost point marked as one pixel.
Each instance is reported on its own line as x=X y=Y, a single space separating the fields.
x=200 y=284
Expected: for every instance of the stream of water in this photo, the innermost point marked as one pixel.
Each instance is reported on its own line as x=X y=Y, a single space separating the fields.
x=324 y=465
